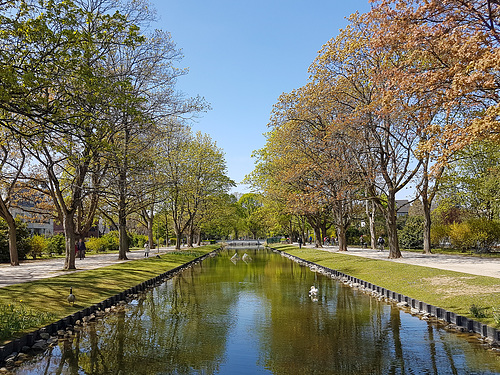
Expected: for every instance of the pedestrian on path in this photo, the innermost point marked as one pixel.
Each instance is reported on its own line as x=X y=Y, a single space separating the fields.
x=81 y=249
x=381 y=243
x=146 y=249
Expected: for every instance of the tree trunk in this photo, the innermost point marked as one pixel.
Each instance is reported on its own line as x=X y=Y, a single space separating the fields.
x=190 y=236
x=392 y=230
x=69 y=233
x=341 y=234
x=150 y=230
x=319 y=241
x=14 y=256
x=370 y=213
x=122 y=230
x=427 y=225
x=178 y=237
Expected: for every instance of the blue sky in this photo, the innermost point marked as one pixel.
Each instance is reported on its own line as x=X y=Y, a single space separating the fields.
x=242 y=55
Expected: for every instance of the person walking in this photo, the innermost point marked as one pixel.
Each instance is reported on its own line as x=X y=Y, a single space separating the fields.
x=300 y=242
x=146 y=249
x=81 y=249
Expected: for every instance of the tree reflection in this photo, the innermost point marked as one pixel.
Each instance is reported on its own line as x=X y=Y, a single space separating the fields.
x=258 y=315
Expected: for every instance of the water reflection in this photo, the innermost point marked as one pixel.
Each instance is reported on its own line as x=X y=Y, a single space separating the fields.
x=256 y=317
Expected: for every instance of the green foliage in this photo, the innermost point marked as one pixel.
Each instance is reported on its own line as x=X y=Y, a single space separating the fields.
x=137 y=240
x=461 y=236
x=22 y=239
x=56 y=244
x=352 y=235
x=439 y=233
x=107 y=242
x=411 y=236
x=486 y=233
x=478 y=234
x=38 y=245
x=16 y=317
x=477 y=312
x=496 y=316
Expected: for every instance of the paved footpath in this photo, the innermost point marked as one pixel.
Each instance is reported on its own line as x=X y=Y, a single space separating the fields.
x=34 y=270
x=467 y=264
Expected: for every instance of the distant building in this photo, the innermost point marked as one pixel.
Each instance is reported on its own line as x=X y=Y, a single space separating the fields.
x=402 y=207
x=37 y=220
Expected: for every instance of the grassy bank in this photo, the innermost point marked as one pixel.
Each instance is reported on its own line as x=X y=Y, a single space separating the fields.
x=453 y=291
x=49 y=296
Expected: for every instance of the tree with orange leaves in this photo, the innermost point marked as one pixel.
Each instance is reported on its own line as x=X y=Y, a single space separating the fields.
x=449 y=53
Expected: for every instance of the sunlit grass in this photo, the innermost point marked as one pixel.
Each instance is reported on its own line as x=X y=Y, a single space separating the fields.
x=90 y=287
x=453 y=291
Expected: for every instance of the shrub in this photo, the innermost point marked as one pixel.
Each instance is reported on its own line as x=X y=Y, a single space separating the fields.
x=477 y=312
x=110 y=241
x=439 y=234
x=461 y=236
x=486 y=233
x=39 y=245
x=56 y=244
x=137 y=240
x=94 y=244
x=412 y=234
x=352 y=235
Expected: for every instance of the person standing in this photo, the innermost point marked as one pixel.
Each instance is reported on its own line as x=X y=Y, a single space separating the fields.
x=81 y=249
x=300 y=242
x=146 y=249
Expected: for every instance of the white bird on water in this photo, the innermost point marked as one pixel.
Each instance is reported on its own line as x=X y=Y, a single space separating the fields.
x=313 y=291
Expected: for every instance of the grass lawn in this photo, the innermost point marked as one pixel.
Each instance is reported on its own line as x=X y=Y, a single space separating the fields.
x=453 y=291
x=90 y=287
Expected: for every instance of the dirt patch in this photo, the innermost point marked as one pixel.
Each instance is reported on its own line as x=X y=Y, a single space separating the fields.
x=453 y=286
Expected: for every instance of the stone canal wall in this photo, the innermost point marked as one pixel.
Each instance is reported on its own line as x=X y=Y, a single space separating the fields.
x=42 y=338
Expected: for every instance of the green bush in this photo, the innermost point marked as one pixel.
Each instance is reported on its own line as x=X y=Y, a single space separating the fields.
x=39 y=245
x=352 y=235
x=439 y=233
x=110 y=241
x=412 y=234
x=22 y=239
x=477 y=234
x=94 y=244
x=486 y=233
x=461 y=236
x=56 y=244
x=137 y=240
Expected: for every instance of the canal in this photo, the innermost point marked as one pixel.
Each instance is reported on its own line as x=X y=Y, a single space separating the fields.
x=254 y=315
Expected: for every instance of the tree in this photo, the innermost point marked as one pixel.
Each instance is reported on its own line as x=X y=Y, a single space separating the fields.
x=382 y=136
x=12 y=160
x=82 y=92
x=472 y=177
x=450 y=50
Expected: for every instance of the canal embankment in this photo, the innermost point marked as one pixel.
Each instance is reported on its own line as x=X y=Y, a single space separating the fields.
x=448 y=296
x=95 y=290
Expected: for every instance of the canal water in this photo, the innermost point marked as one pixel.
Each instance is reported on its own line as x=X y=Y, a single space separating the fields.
x=255 y=316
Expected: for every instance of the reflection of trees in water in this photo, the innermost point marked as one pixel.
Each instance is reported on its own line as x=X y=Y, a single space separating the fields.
x=183 y=327
x=175 y=326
